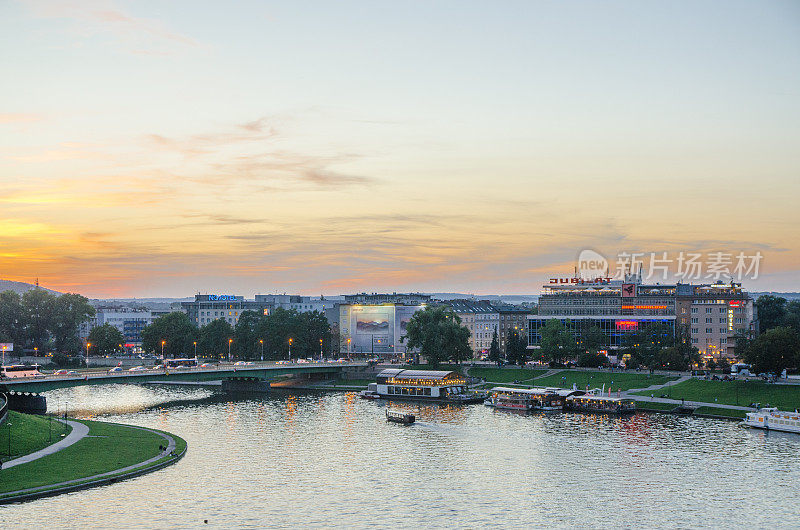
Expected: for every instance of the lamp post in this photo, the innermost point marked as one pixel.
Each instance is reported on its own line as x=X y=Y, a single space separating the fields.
x=88 y=344
x=230 y=341
x=320 y=349
x=290 y=348
x=348 y=346
x=261 y=341
x=4 y=354
x=9 y=438
x=162 y=349
x=195 y=348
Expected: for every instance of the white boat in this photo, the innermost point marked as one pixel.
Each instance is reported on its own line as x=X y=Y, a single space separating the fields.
x=524 y=399
x=772 y=419
x=369 y=394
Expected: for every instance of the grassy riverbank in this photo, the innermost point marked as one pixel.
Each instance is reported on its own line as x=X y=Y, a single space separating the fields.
x=505 y=375
x=596 y=379
x=28 y=434
x=785 y=397
x=107 y=448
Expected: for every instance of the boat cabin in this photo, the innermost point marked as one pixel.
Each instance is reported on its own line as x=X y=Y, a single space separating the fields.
x=420 y=384
x=594 y=403
x=525 y=399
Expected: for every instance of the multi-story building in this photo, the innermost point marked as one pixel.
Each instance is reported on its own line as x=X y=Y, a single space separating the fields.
x=481 y=318
x=130 y=322
x=209 y=307
x=374 y=329
x=386 y=298
x=615 y=307
x=301 y=304
x=512 y=319
x=715 y=314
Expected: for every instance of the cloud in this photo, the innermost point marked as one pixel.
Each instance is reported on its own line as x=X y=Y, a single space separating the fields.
x=16 y=117
x=93 y=17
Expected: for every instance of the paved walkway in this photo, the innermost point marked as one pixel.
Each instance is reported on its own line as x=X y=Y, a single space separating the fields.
x=79 y=430
x=654 y=388
x=170 y=448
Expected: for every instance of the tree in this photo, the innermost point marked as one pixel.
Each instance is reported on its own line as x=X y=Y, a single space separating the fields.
x=591 y=359
x=105 y=339
x=38 y=308
x=557 y=342
x=12 y=325
x=516 y=347
x=438 y=334
x=791 y=317
x=645 y=344
x=70 y=311
x=711 y=365
x=771 y=310
x=175 y=330
x=774 y=351
x=248 y=333
x=494 y=349
x=214 y=339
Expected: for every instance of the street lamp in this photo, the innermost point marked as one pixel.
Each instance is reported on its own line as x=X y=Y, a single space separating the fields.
x=4 y=354
x=88 y=344
x=162 y=349
x=261 y=341
x=348 y=347
x=230 y=341
x=290 y=348
x=195 y=348
x=320 y=348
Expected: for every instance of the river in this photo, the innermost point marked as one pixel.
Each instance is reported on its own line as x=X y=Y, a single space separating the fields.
x=330 y=459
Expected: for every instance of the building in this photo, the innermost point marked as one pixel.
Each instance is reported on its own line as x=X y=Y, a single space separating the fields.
x=512 y=319
x=130 y=322
x=385 y=298
x=715 y=314
x=481 y=318
x=209 y=307
x=301 y=304
x=374 y=329
x=616 y=307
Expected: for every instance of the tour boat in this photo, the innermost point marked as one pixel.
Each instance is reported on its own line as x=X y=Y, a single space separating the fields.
x=525 y=399
x=425 y=385
x=399 y=417
x=772 y=419
x=599 y=403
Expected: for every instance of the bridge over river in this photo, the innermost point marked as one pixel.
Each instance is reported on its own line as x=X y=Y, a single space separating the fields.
x=24 y=391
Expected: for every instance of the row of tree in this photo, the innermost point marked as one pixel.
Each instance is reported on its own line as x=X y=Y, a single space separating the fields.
x=776 y=311
x=254 y=335
x=41 y=320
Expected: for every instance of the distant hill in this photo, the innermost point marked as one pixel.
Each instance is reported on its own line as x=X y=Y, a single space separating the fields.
x=21 y=287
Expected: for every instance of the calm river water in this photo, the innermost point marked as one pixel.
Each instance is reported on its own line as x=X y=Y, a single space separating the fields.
x=290 y=460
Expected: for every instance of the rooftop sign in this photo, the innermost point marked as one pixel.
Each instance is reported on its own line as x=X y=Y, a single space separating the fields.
x=222 y=297
x=579 y=281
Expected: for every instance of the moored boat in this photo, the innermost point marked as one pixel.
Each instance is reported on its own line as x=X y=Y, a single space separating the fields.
x=772 y=419
x=595 y=403
x=524 y=399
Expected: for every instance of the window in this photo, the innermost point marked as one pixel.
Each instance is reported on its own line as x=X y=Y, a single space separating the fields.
x=722 y=330
x=709 y=330
x=721 y=310
x=723 y=320
x=695 y=330
x=709 y=320
x=708 y=310
x=694 y=320
x=694 y=310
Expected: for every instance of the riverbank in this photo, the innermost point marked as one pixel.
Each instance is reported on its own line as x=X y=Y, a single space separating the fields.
x=22 y=434
x=108 y=453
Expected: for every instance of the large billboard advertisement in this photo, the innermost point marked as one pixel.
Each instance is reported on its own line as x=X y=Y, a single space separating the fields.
x=372 y=321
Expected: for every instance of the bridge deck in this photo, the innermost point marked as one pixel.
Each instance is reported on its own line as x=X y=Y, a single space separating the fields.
x=263 y=371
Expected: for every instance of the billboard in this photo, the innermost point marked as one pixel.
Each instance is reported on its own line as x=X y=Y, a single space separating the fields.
x=372 y=321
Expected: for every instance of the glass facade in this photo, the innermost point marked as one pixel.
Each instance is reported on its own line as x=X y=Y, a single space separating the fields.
x=614 y=329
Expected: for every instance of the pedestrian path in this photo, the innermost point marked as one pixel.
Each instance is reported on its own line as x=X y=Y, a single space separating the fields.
x=630 y=394
x=79 y=431
x=166 y=452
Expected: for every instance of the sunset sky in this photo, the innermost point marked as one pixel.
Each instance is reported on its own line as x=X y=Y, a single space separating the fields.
x=164 y=148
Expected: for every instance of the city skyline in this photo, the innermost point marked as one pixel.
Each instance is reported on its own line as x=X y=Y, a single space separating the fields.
x=158 y=149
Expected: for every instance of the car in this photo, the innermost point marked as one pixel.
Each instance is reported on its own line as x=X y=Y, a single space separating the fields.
x=284 y=361
x=115 y=369
x=208 y=365
x=302 y=361
x=72 y=372
x=239 y=363
x=137 y=369
x=60 y=372
x=158 y=367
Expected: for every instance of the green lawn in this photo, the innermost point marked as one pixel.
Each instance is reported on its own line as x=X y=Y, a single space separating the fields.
x=785 y=397
x=505 y=375
x=108 y=447
x=28 y=434
x=621 y=381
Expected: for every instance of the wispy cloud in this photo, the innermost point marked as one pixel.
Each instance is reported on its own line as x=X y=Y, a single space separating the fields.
x=18 y=117
x=92 y=17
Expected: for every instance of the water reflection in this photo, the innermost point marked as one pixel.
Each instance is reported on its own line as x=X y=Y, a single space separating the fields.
x=308 y=459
